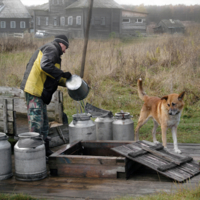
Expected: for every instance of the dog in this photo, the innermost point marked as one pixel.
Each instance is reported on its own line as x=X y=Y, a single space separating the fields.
x=165 y=111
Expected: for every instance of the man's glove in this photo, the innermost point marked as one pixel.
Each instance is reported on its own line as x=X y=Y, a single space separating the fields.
x=66 y=75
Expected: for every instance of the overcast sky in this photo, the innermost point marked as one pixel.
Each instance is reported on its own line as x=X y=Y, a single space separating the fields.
x=129 y=2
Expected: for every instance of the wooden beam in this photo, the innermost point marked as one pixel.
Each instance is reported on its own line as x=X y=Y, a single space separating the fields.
x=161 y=155
x=10 y=127
x=86 y=39
x=10 y=116
x=5 y=122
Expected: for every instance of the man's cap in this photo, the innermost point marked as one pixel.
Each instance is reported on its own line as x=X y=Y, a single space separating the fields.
x=62 y=39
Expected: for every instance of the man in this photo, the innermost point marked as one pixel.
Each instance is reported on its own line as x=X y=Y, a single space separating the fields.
x=42 y=76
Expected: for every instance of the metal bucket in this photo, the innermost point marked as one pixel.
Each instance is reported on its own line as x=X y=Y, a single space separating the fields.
x=30 y=158
x=82 y=128
x=5 y=157
x=77 y=88
x=123 y=127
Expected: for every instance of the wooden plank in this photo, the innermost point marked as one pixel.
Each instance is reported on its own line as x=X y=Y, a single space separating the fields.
x=161 y=155
x=11 y=92
x=10 y=127
x=54 y=109
x=10 y=117
x=68 y=149
x=10 y=105
x=179 y=173
x=89 y=171
x=14 y=124
x=137 y=151
x=89 y=160
x=5 y=121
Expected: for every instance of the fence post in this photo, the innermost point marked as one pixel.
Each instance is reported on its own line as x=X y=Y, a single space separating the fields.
x=5 y=120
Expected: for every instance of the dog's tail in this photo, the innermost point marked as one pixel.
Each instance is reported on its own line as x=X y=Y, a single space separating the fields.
x=141 y=92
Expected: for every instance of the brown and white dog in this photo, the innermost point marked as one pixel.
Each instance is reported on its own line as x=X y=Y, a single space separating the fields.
x=165 y=111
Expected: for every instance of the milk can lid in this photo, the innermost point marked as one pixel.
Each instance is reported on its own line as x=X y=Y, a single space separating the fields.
x=81 y=116
x=123 y=115
x=74 y=82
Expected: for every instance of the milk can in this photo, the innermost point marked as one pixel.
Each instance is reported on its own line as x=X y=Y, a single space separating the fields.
x=5 y=157
x=82 y=128
x=104 y=128
x=123 y=127
x=30 y=157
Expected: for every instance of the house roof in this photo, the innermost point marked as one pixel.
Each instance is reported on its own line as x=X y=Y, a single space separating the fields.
x=44 y=7
x=13 y=9
x=172 y=23
x=96 y=4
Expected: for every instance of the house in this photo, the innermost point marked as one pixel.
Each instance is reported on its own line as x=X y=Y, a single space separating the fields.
x=14 y=17
x=169 y=26
x=70 y=17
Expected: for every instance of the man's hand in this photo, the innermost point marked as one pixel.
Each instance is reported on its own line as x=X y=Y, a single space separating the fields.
x=66 y=75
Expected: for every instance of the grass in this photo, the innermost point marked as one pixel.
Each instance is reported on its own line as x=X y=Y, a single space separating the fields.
x=180 y=194
x=18 y=197
x=166 y=63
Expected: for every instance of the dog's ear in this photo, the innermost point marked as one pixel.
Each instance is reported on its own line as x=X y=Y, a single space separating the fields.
x=181 y=96
x=165 y=97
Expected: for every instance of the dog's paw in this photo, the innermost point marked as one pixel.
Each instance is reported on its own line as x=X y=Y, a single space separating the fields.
x=166 y=149
x=156 y=142
x=177 y=151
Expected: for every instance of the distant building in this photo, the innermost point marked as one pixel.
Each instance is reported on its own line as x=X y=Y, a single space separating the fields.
x=70 y=17
x=169 y=26
x=14 y=17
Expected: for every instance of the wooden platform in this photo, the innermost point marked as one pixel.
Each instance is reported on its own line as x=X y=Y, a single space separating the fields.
x=178 y=167
x=145 y=181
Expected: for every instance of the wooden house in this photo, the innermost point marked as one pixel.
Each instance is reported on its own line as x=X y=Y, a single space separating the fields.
x=70 y=17
x=169 y=26
x=14 y=17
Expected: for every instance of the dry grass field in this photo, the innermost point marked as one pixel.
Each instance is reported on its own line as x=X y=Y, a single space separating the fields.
x=166 y=63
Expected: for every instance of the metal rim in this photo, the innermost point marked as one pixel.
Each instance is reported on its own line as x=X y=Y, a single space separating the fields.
x=81 y=116
x=3 y=136
x=122 y=115
x=74 y=82
x=79 y=98
x=28 y=135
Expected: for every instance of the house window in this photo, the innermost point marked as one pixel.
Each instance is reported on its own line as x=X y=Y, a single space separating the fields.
x=38 y=21
x=55 y=21
x=103 y=21
x=139 y=20
x=62 y=21
x=47 y=21
x=12 y=24
x=22 y=24
x=78 y=20
x=3 y=24
x=126 y=20
x=70 y=20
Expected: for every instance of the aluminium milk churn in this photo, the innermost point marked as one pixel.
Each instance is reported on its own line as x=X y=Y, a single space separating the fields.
x=5 y=157
x=104 y=128
x=123 y=127
x=30 y=157
x=82 y=128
